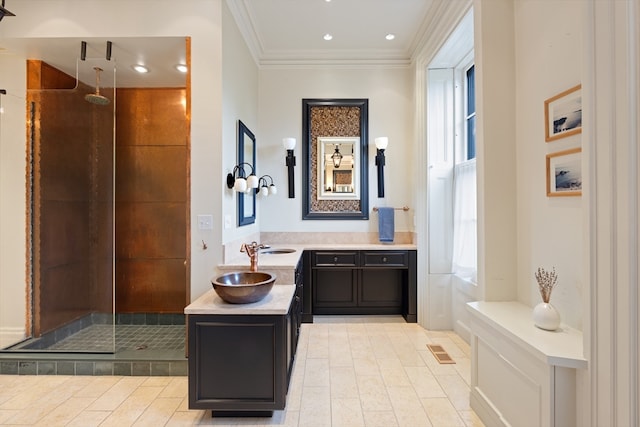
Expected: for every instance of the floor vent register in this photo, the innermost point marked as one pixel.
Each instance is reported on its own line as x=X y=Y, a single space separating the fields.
x=440 y=354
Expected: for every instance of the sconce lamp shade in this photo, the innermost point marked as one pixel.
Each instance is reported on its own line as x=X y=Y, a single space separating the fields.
x=240 y=185
x=252 y=181
x=382 y=142
x=289 y=143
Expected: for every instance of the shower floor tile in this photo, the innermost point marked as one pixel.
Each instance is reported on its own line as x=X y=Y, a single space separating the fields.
x=99 y=338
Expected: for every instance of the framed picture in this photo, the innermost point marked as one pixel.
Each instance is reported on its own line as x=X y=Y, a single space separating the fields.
x=564 y=173
x=563 y=114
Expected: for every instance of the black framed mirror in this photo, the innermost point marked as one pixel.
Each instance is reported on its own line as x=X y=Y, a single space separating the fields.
x=335 y=151
x=246 y=154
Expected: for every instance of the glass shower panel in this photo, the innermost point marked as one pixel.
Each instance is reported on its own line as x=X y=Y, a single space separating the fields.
x=71 y=155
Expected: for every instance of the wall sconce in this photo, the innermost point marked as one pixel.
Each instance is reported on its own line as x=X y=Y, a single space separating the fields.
x=265 y=190
x=381 y=145
x=237 y=180
x=289 y=144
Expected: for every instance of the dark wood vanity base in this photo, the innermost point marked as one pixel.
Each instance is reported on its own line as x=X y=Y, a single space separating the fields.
x=240 y=364
x=242 y=414
x=360 y=282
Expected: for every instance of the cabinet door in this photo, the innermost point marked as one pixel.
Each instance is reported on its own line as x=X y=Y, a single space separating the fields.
x=381 y=288
x=334 y=288
x=247 y=372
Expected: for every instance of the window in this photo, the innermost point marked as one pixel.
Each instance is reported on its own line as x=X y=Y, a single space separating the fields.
x=470 y=114
x=464 y=190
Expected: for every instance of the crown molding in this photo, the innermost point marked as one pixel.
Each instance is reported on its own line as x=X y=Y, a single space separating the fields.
x=313 y=58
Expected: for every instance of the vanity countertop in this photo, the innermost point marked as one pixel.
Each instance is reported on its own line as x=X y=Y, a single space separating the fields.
x=290 y=260
x=276 y=302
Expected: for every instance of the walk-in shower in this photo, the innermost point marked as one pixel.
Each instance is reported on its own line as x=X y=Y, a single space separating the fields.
x=75 y=323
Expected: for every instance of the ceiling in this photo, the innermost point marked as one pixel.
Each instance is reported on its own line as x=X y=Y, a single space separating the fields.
x=291 y=31
x=159 y=54
x=278 y=32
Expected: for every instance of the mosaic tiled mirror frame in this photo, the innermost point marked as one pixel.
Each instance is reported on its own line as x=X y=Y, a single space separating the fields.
x=333 y=118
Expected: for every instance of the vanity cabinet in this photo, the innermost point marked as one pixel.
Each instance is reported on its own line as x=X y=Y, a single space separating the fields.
x=363 y=282
x=240 y=364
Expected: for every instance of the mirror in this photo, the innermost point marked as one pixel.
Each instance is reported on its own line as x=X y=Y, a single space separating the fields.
x=334 y=147
x=246 y=154
x=338 y=159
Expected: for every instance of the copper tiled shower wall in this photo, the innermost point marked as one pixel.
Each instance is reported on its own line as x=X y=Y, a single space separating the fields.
x=151 y=200
x=73 y=194
x=72 y=157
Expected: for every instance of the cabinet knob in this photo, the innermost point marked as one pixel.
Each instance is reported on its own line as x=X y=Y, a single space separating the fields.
x=335 y=259
x=384 y=259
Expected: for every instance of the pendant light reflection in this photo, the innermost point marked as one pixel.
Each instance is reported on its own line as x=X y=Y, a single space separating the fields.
x=336 y=157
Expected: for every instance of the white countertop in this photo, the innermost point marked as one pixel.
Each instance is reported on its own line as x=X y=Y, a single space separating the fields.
x=513 y=319
x=276 y=302
x=290 y=260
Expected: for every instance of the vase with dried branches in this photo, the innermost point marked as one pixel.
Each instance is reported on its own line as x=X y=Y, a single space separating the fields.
x=545 y=316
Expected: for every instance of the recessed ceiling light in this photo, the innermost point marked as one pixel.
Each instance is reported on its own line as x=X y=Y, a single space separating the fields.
x=182 y=68
x=390 y=36
x=327 y=37
x=140 y=68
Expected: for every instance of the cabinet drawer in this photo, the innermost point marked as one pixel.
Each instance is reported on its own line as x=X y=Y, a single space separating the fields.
x=347 y=259
x=386 y=259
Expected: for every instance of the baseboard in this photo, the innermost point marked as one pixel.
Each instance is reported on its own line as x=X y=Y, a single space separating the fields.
x=485 y=410
x=11 y=336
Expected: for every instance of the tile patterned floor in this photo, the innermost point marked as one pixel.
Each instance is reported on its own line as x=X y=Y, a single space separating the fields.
x=360 y=372
x=97 y=338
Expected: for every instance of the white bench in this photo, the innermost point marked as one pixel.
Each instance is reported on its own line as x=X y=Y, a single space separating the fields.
x=522 y=375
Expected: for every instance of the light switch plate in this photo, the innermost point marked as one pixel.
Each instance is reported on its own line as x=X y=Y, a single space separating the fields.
x=227 y=221
x=205 y=222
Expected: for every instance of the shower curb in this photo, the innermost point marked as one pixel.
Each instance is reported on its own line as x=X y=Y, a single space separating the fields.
x=20 y=365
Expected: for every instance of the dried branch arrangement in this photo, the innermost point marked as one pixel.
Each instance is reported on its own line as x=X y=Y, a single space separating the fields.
x=546 y=281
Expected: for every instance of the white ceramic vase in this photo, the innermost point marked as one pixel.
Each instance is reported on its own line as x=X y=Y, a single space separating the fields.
x=545 y=316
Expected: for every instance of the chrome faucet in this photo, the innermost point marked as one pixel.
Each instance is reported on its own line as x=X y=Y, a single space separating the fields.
x=252 y=250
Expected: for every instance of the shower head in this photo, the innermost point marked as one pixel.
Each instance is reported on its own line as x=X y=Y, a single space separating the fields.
x=96 y=98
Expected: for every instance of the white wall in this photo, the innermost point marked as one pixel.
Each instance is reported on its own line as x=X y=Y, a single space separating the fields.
x=240 y=102
x=390 y=94
x=550 y=229
x=12 y=200
x=496 y=148
x=200 y=19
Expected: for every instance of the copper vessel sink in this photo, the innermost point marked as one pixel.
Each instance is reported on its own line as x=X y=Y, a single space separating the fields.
x=243 y=287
